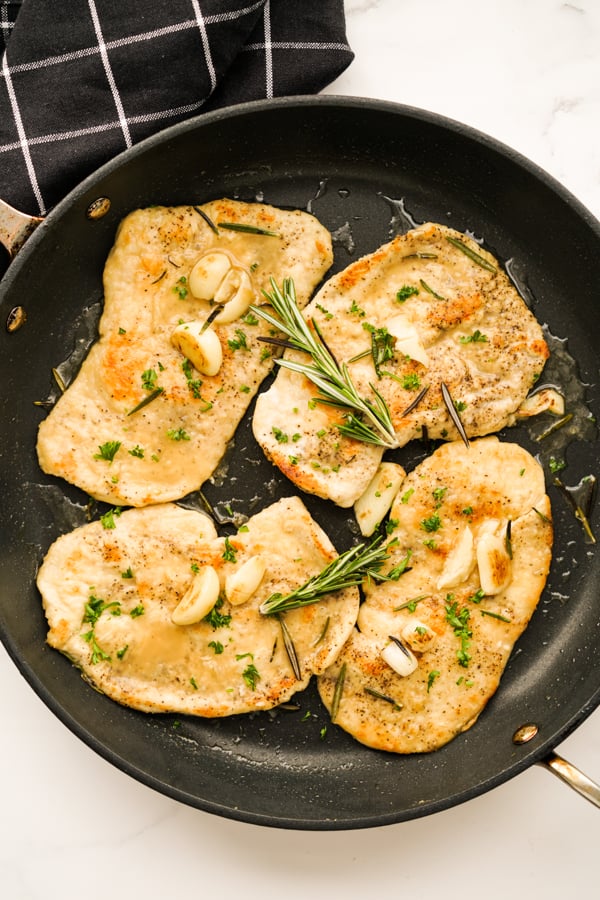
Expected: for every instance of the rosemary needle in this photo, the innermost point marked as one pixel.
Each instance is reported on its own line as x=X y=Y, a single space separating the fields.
x=347 y=570
x=366 y=420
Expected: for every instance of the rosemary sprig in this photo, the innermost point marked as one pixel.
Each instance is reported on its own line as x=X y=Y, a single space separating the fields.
x=366 y=420
x=347 y=570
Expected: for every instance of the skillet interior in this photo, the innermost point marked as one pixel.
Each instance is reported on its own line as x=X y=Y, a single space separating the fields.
x=342 y=157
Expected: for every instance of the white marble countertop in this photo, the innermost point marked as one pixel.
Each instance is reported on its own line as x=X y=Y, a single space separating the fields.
x=526 y=72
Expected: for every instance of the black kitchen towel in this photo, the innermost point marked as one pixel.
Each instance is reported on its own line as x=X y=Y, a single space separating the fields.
x=82 y=80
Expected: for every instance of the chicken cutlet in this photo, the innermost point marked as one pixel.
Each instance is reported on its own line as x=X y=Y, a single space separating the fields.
x=428 y=309
x=470 y=549
x=162 y=615
x=178 y=360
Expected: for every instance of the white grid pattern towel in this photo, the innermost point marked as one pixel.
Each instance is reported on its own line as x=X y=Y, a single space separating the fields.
x=82 y=80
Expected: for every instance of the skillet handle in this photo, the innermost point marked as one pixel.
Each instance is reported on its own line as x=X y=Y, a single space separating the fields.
x=573 y=777
x=15 y=227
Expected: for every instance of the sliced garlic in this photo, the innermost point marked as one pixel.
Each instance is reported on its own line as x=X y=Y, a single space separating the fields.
x=544 y=400
x=374 y=504
x=199 y=598
x=236 y=294
x=459 y=563
x=418 y=635
x=241 y=584
x=494 y=563
x=407 y=337
x=201 y=346
x=207 y=274
x=399 y=657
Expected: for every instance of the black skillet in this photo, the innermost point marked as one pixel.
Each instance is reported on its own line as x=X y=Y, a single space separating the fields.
x=346 y=160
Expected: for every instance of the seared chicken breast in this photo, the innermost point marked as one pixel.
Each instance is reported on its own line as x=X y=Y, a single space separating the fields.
x=149 y=415
x=162 y=615
x=430 y=308
x=470 y=549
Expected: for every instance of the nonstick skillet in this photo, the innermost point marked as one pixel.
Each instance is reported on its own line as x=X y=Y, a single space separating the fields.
x=367 y=170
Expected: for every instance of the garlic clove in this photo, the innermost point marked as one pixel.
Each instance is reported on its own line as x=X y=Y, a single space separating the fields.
x=199 y=598
x=374 y=504
x=408 y=340
x=399 y=657
x=207 y=274
x=544 y=400
x=236 y=293
x=459 y=563
x=418 y=635
x=200 y=345
x=243 y=583
x=494 y=563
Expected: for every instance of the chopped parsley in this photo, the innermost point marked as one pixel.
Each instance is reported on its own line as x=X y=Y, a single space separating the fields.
x=279 y=435
x=137 y=451
x=405 y=292
x=178 y=434
x=108 y=450
x=137 y=611
x=476 y=338
x=229 y=553
x=459 y=619
x=108 y=518
x=215 y=618
x=239 y=342
x=433 y=523
x=217 y=646
x=431 y=678
x=180 y=287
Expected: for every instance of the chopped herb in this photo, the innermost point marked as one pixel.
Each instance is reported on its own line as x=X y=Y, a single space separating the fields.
x=438 y=495
x=128 y=573
x=178 y=434
x=239 y=342
x=407 y=495
x=137 y=451
x=279 y=435
x=180 y=287
x=217 y=646
x=149 y=378
x=411 y=605
x=355 y=308
x=246 y=229
x=430 y=290
x=152 y=396
x=411 y=381
x=556 y=465
x=229 y=553
x=250 y=319
x=108 y=518
x=405 y=292
x=468 y=511
x=347 y=570
x=478 y=596
x=194 y=683
x=382 y=348
x=244 y=389
x=98 y=653
x=494 y=615
x=431 y=678
x=108 y=450
x=398 y=570
x=366 y=420
x=121 y=653
x=250 y=675
x=458 y=619
x=476 y=338
x=337 y=692
x=207 y=219
x=473 y=256
x=137 y=611
x=433 y=523
x=215 y=618
x=328 y=315
x=379 y=696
